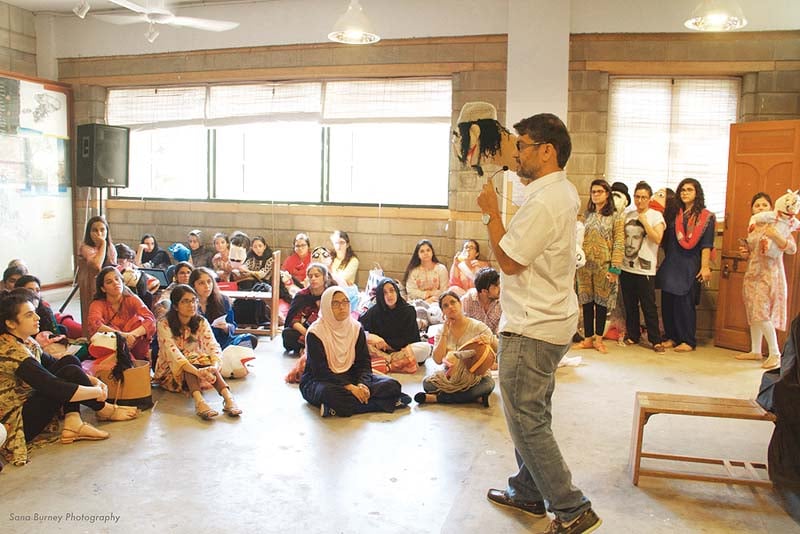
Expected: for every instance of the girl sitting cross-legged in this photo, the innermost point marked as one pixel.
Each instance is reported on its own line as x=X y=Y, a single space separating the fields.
x=456 y=384
x=338 y=376
x=35 y=387
x=189 y=356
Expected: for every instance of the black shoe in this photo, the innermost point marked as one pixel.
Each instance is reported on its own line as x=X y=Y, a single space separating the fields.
x=420 y=397
x=484 y=399
x=501 y=497
x=404 y=400
x=326 y=411
x=583 y=524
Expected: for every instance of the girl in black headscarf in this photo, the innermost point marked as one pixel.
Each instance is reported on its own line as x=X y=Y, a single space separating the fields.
x=392 y=331
x=150 y=255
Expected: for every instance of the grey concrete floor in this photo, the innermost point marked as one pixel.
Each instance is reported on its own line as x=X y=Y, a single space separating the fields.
x=282 y=468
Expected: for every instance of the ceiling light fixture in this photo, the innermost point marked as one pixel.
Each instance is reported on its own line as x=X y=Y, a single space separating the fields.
x=81 y=9
x=716 y=16
x=152 y=33
x=353 y=27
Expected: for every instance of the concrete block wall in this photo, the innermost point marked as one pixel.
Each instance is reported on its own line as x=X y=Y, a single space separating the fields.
x=17 y=40
x=477 y=66
x=767 y=62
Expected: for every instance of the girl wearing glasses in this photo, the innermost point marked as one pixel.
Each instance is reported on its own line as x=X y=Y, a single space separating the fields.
x=466 y=265
x=294 y=267
x=604 y=247
x=189 y=356
x=338 y=376
x=304 y=308
x=688 y=241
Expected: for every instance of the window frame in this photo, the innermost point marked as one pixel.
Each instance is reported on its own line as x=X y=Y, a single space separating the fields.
x=665 y=180
x=211 y=125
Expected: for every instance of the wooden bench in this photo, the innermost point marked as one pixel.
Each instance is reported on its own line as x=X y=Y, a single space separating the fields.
x=272 y=298
x=648 y=404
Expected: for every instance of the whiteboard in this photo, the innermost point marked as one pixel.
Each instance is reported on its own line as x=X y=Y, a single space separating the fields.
x=35 y=182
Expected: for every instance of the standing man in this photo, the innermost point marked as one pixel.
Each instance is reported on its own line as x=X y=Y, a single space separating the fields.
x=644 y=229
x=482 y=302
x=536 y=256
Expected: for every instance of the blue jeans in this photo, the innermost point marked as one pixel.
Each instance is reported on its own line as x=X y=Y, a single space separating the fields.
x=527 y=381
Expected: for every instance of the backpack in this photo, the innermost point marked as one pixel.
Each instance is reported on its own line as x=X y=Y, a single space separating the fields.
x=251 y=312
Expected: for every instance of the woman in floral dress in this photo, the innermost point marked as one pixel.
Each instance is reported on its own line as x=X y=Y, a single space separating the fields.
x=604 y=246
x=764 y=287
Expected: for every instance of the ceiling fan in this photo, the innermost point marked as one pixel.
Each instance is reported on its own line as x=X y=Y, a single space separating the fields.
x=158 y=12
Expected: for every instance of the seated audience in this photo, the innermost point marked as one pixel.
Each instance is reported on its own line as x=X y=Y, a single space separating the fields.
x=142 y=284
x=19 y=262
x=201 y=256
x=239 y=246
x=425 y=277
x=296 y=264
x=455 y=384
x=345 y=263
x=35 y=387
x=221 y=262
x=116 y=309
x=466 y=265
x=189 y=356
x=47 y=319
x=305 y=307
x=338 y=377
x=11 y=275
x=258 y=265
x=150 y=255
x=482 y=302
x=391 y=330
x=217 y=309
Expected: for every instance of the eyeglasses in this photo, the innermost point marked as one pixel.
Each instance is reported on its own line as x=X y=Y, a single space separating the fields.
x=598 y=191
x=301 y=245
x=521 y=145
x=340 y=303
x=641 y=197
x=188 y=301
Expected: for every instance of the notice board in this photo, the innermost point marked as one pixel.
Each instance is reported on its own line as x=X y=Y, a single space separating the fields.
x=35 y=179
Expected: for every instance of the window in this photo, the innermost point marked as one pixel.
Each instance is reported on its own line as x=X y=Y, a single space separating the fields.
x=358 y=141
x=664 y=130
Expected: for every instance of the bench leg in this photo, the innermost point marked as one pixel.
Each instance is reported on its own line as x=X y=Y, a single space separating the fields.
x=637 y=434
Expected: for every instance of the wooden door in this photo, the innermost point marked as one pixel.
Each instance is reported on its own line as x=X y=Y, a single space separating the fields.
x=764 y=156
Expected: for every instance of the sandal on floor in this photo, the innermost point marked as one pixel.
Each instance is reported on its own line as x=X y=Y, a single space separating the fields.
x=231 y=409
x=749 y=356
x=683 y=347
x=629 y=342
x=585 y=344
x=658 y=347
x=204 y=411
x=600 y=347
x=772 y=362
x=84 y=432
x=668 y=344
x=119 y=414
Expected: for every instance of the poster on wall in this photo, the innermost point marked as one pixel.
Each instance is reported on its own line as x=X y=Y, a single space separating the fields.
x=41 y=110
x=35 y=194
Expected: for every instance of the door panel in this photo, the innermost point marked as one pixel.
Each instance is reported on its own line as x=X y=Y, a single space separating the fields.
x=763 y=156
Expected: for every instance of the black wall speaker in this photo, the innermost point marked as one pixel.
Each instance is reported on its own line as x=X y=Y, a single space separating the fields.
x=102 y=155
